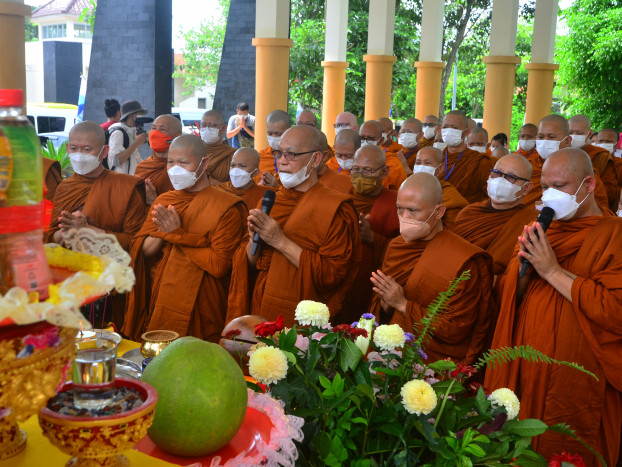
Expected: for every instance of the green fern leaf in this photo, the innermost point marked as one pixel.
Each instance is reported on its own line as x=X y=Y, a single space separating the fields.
x=565 y=429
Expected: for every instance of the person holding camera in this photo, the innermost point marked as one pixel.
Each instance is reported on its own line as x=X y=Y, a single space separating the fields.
x=125 y=139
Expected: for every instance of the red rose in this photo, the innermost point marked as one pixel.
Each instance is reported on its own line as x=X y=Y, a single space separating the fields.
x=269 y=328
x=467 y=370
x=574 y=459
x=233 y=334
x=342 y=328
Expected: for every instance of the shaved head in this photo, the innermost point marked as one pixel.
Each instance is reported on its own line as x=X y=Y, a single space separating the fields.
x=431 y=119
x=458 y=117
x=216 y=116
x=478 y=137
x=528 y=131
x=245 y=158
x=471 y=124
x=372 y=155
x=556 y=121
x=371 y=128
x=429 y=156
x=423 y=187
x=324 y=145
x=190 y=145
x=501 y=151
x=93 y=130
x=574 y=162
x=582 y=120
x=412 y=124
x=348 y=137
x=279 y=117
x=479 y=130
x=386 y=124
x=515 y=165
x=608 y=135
x=347 y=118
x=305 y=137
x=306 y=117
x=172 y=124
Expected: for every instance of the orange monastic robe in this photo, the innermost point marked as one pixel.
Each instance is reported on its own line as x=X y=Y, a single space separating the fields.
x=522 y=152
x=266 y=163
x=392 y=149
x=392 y=181
x=587 y=331
x=425 y=269
x=184 y=288
x=383 y=220
x=468 y=172
x=411 y=155
x=602 y=161
x=423 y=142
x=154 y=168
x=219 y=161
x=618 y=165
x=113 y=202
x=454 y=203
x=52 y=176
x=494 y=230
x=338 y=182
x=251 y=197
x=324 y=224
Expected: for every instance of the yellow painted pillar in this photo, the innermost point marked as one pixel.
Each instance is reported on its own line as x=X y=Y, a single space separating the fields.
x=334 y=96
x=378 y=85
x=271 y=81
x=499 y=93
x=428 y=96
x=539 y=91
x=12 y=39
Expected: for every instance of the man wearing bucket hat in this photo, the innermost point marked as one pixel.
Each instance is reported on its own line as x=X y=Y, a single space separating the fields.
x=124 y=142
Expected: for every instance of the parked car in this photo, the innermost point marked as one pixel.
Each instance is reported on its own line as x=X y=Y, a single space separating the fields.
x=52 y=121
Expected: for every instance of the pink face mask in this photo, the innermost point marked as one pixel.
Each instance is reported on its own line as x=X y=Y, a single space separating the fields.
x=413 y=229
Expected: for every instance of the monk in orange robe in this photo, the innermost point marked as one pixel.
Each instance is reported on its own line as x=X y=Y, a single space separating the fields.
x=244 y=165
x=421 y=262
x=494 y=224
x=388 y=144
x=278 y=121
x=52 y=175
x=310 y=247
x=608 y=139
x=580 y=128
x=329 y=177
x=430 y=160
x=431 y=127
x=527 y=140
x=464 y=168
x=347 y=142
x=218 y=152
x=182 y=254
x=346 y=120
x=371 y=133
x=567 y=306
x=409 y=137
x=153 y=170
x=97 y=198
x=378 y=225
x=478 y=140
x=306 y=117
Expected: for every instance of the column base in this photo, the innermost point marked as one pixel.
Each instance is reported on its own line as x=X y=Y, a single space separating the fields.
x=499 y=93
x=379 y=77
x=334 y=96
x=540 y=84
x=428 y=94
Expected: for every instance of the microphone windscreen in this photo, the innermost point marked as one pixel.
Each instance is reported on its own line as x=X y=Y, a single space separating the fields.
x=546 y=217
x=268 y=201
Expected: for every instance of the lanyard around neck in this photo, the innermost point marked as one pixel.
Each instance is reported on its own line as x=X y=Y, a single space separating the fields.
x=447 y=175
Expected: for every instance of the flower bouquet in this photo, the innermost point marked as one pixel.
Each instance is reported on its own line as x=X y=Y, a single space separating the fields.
x=368 y=398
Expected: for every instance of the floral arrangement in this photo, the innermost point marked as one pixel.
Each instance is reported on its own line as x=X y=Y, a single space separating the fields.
x=368 y=398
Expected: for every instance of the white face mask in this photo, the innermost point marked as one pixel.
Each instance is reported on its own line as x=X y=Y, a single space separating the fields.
x=425 y=169
x=481 y=149
x=578 y=141
x=274 y=142
x=385 y=137
x=619 y=212
x=547 y=147
x=339 y=129
x=345 y=164
x=84 y=163
x=564 y=205
x=428 y=132
x=606 y=146
x=502 y=191
x=527 y=144
x=239 y=177
x=452 y=136
x=408 y=140
x=182 y=178
x=364 y=142
x=440 y=145
x=295 y=179
x=210 y=135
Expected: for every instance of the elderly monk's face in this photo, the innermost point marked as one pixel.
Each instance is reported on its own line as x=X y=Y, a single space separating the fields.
x=211 y=121
x=293 y=143
x=371 y=133
x=345 y=121
x=515 y=174
x=553 y=132
x=556 y=175
x=527 y=133
x=366 y=163
x=578 y=128
x=276 y=129
x=477 y=139
x=306 y=119
x=164 y=125
x=344 y=151
x=86 y=143
x=411 y=127
x=246 y=161
x=607 y=137
x=412 y=204
x=184 y=158
x=427 y=158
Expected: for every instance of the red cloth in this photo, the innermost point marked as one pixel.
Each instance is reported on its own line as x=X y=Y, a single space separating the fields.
x=107 y=125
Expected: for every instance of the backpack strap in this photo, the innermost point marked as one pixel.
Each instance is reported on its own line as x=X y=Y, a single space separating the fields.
x=126 y=144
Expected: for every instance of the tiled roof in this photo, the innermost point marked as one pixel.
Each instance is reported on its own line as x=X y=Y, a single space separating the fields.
x=61 y=7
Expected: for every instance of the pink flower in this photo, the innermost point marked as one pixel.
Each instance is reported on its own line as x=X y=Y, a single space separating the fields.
x=302 y=342
x=317 y=336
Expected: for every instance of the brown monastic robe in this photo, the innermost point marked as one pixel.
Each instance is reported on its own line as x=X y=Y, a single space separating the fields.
x=324 y=224
x=392 y=148
x=587 y=331
x=602 y=161
x=468 y=172
x=338 y=182
x=423 y=142
x=154 y=168
x=52 y=176
x=392 y=181
x=184 y=288
x=494 y=230
x=454 y=203
x=425 y=269
x=251 y=197
x=219 y=161
x=266 y=163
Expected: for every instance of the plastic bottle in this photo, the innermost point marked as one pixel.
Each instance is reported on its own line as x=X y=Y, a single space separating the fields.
x=22 y=257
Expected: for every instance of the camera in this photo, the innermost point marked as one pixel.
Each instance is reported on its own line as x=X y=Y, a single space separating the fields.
x=140 y=124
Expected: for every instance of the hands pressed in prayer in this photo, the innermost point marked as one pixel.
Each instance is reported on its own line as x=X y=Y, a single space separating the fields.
x=365 y=231
x=267 y=179
x=72 y=220
x=537 y=251
x=268 y=229
x=389 y=291
x=150 y=192
x=165 y=219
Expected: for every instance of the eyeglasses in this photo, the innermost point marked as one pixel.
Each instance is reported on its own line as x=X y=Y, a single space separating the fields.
x=494 y=173
x=211 y=126
x=341 y=125
x=366 y=171
x=290 y=156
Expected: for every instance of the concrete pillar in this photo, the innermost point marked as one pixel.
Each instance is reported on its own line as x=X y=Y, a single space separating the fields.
x=12 y=38
x=541 y=69
x=272 y=46
x=335 y=64
x=379 y=58
x=430 y=67
x=501 y=68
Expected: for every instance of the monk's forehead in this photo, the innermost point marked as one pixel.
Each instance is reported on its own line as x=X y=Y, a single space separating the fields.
x=607 y=136
x=416 y=197
x=246 y=157
x=346 y=118
x=455 y=121
x=578 y=124
x=429 y=120
x=551 y=128
x=278 y=126
x=213 y=119
x=513 y=166
x=371 y=128
x=186 y=152
x=529 y=130
x=366 y=158
x=429 y=156
x=410 y=126
x=478 y=137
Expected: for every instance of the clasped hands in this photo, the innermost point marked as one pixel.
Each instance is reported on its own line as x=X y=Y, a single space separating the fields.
x=390 y=292
x=538 y=251
x=268 y=229
x=165 y=219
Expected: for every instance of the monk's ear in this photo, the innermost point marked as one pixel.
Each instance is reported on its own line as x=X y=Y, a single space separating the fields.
x=590 y=183
x=441 y=211
x=527 y=188
x=467 y=133
x=385 y=171
x=317 y=159
x=104 y=152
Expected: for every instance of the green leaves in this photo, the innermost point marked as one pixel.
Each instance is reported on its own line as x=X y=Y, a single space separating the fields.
x=350 y=354
x=527 y=427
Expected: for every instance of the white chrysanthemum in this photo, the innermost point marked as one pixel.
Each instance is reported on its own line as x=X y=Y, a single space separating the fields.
x=506 y=398
x=418 y=397
x=312 y=313
x=267 y=365
x=389 y=337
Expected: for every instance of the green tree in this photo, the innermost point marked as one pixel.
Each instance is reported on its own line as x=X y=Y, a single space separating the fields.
x=202 y=51
x=590 y=58
x=88 y=14
x=32 y=30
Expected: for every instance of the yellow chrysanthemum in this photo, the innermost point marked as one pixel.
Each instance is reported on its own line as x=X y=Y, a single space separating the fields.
x=312 y=313
x=389 y=337
x=506 y=398
x=267 y=365
x=418 y=397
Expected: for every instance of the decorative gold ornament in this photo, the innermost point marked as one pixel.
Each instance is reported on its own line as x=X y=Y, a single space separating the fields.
x=154 y=342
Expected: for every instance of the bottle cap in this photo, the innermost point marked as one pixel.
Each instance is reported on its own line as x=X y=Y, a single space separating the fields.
x=11 y=98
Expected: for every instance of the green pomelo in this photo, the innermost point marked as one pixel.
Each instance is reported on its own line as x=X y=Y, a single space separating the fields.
x=202 y=397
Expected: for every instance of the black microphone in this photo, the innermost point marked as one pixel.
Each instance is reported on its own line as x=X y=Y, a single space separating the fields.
x=544 y=219
x=266 y=206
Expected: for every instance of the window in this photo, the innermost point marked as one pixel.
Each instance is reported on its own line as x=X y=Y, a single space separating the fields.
x=202 y=103
x=82 y=31
x=49 y=124
x=54 y=31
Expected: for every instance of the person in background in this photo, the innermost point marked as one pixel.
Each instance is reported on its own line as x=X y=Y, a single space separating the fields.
x=500 y=139
x=113 y=112
x=123 y=156
x=241 y=127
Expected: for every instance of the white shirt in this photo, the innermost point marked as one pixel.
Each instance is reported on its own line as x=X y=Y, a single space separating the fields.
x=116 y=147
